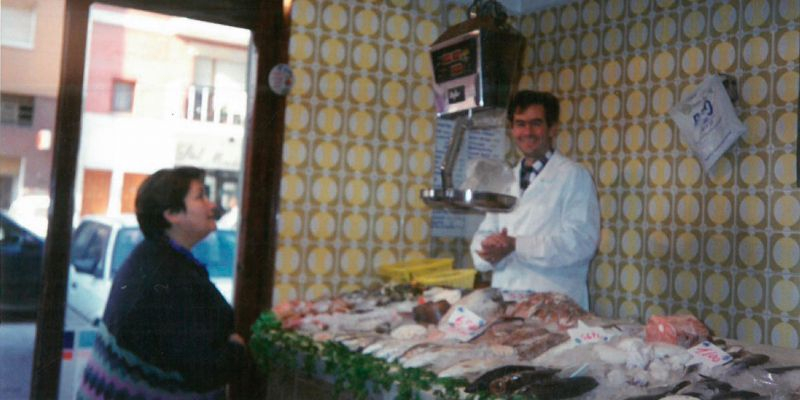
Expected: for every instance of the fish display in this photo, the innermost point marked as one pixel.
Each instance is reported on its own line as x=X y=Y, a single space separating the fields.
x=540 y=345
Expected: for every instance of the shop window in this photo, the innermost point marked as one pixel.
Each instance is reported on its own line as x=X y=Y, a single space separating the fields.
x=17 y=27
x=122 y=100
x=16 y=109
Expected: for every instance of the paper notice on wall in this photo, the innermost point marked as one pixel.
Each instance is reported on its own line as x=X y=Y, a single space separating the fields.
x=707 y=121
x=489 y=143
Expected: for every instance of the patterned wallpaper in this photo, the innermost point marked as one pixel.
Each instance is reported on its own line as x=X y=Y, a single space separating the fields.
x=358 y=143
x=722 y=244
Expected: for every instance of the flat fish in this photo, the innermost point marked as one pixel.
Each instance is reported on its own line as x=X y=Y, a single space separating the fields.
x=528 y=338
x=662 y=393
x=439 y=359
x=356 y=342
x=483 y=381
x=511 y=383
x=750 y=360
x=738 y=395
x=780 y=370
x=394 y=349
x=560 y=388
x=471 y=369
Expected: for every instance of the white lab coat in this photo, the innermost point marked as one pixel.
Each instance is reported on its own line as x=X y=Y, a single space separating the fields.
x=556 y=224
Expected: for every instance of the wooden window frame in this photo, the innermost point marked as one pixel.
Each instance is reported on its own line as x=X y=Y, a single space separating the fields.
x=269 y=20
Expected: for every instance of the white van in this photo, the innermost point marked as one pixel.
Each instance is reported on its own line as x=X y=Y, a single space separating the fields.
x=100 y=244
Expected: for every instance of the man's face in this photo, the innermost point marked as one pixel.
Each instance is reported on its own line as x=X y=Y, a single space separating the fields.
x=531 y=133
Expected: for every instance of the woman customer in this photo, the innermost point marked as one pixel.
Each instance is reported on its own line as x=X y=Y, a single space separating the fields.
x=167 y=332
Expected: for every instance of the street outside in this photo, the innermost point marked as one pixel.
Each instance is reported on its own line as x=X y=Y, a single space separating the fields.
x=17 y=338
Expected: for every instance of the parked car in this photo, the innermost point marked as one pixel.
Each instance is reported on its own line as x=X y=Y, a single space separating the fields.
x=31 y=212
x=21 y=253
x=100 y=244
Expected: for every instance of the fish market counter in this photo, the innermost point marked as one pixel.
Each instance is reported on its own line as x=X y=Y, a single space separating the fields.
x=408 y=342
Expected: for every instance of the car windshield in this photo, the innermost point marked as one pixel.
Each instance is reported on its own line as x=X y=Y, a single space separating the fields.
x=217 y=251
x=127 y=239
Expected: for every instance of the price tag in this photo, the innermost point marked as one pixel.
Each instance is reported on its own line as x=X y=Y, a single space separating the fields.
x=709 y=355
x=516 y=296
x=583 y=334
x=464 y=324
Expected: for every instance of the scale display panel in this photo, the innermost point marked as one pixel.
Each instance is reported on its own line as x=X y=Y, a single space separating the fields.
x=455 y=61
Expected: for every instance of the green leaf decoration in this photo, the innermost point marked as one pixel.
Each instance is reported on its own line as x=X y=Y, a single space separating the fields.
x=359 y=375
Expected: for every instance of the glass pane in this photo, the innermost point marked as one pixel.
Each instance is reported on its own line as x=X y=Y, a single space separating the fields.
x=30 y=58
x=127 y=239
x=177 y=82
x=123 y=96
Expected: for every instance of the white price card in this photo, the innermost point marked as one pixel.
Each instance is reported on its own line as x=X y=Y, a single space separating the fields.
x=464 y=324
x=584 y=334
x=709 y=355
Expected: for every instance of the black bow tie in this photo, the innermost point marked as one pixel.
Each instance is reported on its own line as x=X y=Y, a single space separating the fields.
x=525 y=176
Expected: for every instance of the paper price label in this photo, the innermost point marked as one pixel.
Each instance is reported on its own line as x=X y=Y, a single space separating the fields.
x=709 y=355
x=464 y=324
x=583 y=334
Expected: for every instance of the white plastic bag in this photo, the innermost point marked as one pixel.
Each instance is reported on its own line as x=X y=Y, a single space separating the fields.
x=707 y=121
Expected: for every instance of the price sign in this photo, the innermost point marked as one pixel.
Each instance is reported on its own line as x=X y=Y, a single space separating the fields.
x=709 y=355
x=583 y=334
x=464 y=324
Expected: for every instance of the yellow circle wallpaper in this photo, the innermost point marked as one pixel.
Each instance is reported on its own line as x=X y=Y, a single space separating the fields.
x=723 y=244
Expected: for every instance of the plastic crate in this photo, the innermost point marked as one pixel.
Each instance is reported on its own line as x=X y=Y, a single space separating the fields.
x=405 y=271
x=456 y=278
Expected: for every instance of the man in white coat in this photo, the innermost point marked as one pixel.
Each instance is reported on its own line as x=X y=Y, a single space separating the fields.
x=548 y=240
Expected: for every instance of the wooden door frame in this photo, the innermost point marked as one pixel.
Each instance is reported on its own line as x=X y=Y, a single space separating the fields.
x=269 y=21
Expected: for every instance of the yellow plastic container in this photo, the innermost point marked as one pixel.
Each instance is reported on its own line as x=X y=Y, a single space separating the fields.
x=405 y=271
x=454 y=278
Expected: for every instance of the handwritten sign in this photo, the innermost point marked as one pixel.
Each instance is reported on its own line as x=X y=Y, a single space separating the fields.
x=463 y=324
x=709 y=355
x=584 y=334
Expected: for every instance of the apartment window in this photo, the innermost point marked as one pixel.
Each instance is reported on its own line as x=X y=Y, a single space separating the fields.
x=16 y=109
x=122 y=99
x=17 y=27
x=218 y=94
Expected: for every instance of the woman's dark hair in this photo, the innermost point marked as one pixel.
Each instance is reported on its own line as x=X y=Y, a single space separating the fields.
x=526 y=98
x=165 y=190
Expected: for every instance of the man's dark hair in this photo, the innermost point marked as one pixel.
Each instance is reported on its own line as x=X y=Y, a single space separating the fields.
x=165 y=190
x=526 y=98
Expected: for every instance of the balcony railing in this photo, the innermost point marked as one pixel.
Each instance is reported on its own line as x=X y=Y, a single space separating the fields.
x=217 y=105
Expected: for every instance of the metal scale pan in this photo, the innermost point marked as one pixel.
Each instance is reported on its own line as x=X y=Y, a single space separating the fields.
x=476 y=66
x=467 y=200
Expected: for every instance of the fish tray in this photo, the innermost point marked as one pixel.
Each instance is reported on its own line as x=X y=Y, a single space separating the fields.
x=455 y=278
x=405 y=271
